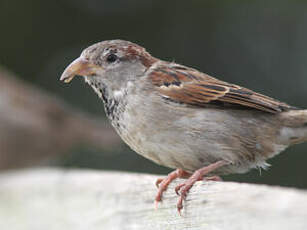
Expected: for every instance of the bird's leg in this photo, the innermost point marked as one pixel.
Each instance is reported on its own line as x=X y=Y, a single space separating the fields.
x=197 y=175
x=162 y=184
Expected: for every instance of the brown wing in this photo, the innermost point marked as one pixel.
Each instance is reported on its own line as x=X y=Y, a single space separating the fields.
x=185 y=85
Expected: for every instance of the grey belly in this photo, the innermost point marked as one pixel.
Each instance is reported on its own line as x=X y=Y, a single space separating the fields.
x=194 y=138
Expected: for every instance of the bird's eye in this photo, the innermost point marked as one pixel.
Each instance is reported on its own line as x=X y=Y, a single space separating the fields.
x=112 y=58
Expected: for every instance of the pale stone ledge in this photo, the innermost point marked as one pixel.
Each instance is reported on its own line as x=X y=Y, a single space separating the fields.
x=87 y=199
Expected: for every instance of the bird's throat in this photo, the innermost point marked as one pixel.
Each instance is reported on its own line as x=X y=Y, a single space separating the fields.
x=114 y=101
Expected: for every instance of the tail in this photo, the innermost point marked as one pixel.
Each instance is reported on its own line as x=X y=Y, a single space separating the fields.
x=294 y=127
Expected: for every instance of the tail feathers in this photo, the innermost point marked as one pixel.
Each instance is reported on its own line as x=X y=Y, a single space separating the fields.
x=294 y=118
x=294 y=128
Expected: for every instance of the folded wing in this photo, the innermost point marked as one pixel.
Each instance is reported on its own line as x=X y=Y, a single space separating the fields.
x=188 y=86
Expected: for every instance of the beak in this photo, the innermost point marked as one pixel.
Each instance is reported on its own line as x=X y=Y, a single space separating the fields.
x=81 y=67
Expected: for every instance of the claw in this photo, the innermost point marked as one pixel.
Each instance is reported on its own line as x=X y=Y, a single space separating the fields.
x=179 y=205
x=158 y=196
x=156 y=204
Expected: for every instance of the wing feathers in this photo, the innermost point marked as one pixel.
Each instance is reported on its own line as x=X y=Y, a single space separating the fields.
x=184 y=85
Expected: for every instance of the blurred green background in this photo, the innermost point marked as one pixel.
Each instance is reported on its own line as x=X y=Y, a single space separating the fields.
x=257 y=44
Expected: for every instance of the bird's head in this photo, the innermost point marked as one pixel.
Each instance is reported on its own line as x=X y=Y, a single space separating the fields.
x=112 y=63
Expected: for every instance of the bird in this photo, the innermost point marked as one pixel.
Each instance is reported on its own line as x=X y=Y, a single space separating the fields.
x=184 y=119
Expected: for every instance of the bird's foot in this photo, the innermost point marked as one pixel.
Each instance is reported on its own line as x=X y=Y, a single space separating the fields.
x=162 y=184
x=182 y=189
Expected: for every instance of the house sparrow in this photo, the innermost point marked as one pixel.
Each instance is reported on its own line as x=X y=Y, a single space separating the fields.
x=181 y=118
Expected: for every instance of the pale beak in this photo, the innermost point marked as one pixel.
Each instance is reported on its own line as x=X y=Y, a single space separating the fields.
x=81 y=67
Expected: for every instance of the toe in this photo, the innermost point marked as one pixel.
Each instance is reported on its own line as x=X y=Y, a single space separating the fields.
x=158 y=182
x=178 y=187
x=159 y=196
x=179 y=205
